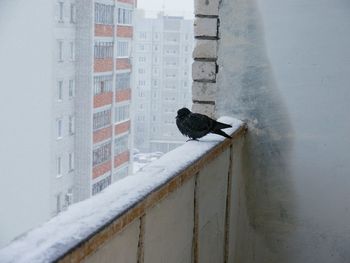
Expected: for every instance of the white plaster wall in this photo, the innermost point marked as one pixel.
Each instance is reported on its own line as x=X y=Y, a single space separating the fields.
x=121 y=248
x=25 y=114
x=211 y=197
x=169 y=227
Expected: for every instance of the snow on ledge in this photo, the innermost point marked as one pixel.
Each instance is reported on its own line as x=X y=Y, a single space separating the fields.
x=55 y=237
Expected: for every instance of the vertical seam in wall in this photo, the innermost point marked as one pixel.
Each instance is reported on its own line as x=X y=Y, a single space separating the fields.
x=195 y=222
x=140 y=247
x=228 y=206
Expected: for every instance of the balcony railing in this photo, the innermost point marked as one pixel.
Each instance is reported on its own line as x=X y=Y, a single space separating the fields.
x=181 y=208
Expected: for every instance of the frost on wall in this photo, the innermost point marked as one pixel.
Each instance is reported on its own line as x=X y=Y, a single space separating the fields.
x=247 y=90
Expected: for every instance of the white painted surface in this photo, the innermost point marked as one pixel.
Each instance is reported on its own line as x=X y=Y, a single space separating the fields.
x=203 y=71
x=204 y=91
x=205 y=27
x=122 y=248
x=25 y=114
x=211 y=196
x=206 y=7
x=57 y=236
x=206 y=49
x=169 y=228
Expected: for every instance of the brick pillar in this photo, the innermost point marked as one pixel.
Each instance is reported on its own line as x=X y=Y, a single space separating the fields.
x=204 y=67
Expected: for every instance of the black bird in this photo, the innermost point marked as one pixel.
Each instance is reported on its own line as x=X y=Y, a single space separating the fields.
x=196 y=125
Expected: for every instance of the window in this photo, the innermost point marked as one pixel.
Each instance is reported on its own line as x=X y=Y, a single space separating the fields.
x=72 y=51
x=60 y=51
x=142 y=71
x=60 y=90
x=103 y=84
x=59 y=128
x=71 y=125
x=142 y=82
x=72 y=13
x=124 y=16
x=101 y=119
x=71 y=88
x=59 y=166
x=99 y=186
x=60 y=6
x=121 y=144
x=143 y=35
x=122 y=81
x=101 y=153
x=69 y=197
x=141 y=47
x=71 y=161
x=103 y=50
x=122 y=113
x=142 y=59
x=103 y=14
x=122 y=49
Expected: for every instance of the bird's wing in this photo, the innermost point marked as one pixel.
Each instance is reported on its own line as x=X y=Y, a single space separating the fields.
x=198 y=122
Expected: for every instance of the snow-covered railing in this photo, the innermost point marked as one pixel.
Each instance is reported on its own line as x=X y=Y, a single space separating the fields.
x=173 y=210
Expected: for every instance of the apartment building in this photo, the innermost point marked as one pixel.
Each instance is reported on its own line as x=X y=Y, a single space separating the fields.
x=73 y=108
x=103 y=94
x=162 y=68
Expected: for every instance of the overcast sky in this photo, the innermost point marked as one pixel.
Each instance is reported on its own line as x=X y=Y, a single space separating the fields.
x=171 y=7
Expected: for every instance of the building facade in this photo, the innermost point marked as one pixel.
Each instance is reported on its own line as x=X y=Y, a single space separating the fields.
x=103 y=94
x=75 y=104
x=162 y=70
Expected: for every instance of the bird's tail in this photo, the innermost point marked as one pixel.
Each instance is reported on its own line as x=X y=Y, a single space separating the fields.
x=220 y=132
x=220 y=125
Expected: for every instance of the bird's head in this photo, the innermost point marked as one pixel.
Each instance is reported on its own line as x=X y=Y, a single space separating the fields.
x=183 y=112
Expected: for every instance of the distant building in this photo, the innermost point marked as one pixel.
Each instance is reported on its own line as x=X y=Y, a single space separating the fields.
x=103 y=94
x=75 y=105
x=162 y=79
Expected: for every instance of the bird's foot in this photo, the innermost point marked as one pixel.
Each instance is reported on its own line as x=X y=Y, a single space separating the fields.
x=191 y=139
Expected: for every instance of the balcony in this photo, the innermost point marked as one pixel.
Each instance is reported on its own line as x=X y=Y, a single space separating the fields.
x=181 y=207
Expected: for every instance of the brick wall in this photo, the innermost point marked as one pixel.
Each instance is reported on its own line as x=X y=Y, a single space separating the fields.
x=125 y=31
x=101 y=169
x=123 y=63
x=103 y=65
x=127 y=1
x=121 y=159
x=121 y=127
x=103 y=30
x=103 y=99
x=123 y=95
x=102 y=134
x=204 y=68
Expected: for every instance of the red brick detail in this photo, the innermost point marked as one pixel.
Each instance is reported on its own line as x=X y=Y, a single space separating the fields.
x=123 y=95
x=127 y=1
x=123 y=63
x=103 y=65
x=122 y=127
x=101 y=169
x=102 y=134
x=125 y=31
x=103 y=99
x=103 y=30
x=121 y=159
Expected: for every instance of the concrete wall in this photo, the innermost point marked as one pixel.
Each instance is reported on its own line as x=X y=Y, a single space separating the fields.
x=196 y=222
x=284 y=66
x=25 y=114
